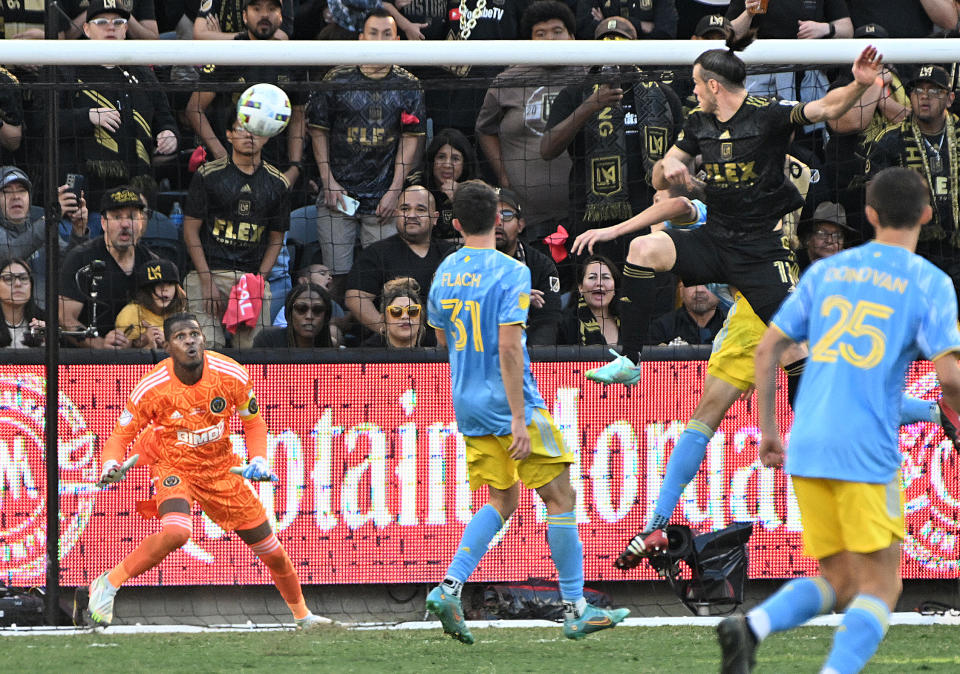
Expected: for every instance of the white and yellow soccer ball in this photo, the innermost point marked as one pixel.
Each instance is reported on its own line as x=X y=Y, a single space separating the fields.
x=263 y=109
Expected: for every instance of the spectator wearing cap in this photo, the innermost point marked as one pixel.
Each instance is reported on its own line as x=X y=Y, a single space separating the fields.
x=141 y=21
x=236 y=213
x=905 y=18
x=224 y=19
x=158 y=297
x=22 y=225
x=514 y=116
x=651 y=19
x=823 y=235
x=614 y=130
x=543 y=322
x=113 y=126
x=927 y=142
x=104 y=265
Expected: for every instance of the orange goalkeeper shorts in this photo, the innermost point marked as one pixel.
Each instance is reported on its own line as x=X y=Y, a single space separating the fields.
x=229 y=501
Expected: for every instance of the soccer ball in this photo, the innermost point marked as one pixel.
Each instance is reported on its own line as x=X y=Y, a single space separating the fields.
x=263 y=110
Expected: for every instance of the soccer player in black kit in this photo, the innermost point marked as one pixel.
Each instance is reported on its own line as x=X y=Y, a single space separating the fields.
x=743 y=142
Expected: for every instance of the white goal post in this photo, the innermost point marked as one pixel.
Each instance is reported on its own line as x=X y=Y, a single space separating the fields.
x=495 y=52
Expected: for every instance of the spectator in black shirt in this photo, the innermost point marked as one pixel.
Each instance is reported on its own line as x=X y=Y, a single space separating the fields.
x=262 y=22
x=308 y=309
x=653 y=19
x=543 y=321
x=412 y=251
x=11 y=112
x=594 y=317
x=105 y=264
x=696 y=321
x=236 y=214
x=614 y=129
x=113 y=126
x=223 y=19
x=905 y=18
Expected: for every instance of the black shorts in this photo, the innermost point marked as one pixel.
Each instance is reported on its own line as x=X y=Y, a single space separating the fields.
x=761 y=266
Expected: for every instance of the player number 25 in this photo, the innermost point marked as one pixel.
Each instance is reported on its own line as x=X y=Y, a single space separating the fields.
x=472 y=307
x=850 y=323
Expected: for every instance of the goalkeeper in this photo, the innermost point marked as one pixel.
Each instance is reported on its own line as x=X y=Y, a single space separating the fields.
x=183 y=408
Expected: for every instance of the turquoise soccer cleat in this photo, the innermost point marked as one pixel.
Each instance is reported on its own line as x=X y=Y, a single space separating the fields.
x=593 y=619
x=450 y=612
x=620 y=370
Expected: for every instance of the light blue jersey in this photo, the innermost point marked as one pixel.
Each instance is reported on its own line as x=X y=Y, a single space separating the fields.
x=474 y=292
x=866 y=312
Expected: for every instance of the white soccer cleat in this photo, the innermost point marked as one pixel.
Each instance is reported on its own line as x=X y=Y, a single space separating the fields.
x=100 y=603
x=311 y=622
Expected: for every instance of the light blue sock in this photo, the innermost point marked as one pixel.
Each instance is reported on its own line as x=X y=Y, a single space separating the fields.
x=481 y=529
x=859 y=634
x=684 y=462
x=567 y=553
x=792 y=605
x=913 y=410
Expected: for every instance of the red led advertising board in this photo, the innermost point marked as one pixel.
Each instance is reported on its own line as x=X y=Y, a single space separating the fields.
x=373 y=481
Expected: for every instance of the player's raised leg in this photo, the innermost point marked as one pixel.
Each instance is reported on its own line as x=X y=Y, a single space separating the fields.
x=175 y=529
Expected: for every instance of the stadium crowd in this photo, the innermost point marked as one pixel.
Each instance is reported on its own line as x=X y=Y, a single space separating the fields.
x=329 y=234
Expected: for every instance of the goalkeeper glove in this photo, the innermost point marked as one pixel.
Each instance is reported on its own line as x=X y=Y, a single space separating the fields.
x=258 y=471
x=111 y=473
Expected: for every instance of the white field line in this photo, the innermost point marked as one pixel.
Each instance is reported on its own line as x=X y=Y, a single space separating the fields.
x=952 y=618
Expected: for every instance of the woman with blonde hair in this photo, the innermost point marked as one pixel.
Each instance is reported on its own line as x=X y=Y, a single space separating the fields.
x=402 y=313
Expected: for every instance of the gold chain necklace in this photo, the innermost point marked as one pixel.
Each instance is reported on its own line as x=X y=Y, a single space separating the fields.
x=467 y=26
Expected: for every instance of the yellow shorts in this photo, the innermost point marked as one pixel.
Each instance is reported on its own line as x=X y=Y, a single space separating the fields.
x=852 y=516
x=734 y=347
x=489 y=463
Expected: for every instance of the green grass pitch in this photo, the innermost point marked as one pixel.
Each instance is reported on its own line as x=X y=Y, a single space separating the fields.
x=662 y=650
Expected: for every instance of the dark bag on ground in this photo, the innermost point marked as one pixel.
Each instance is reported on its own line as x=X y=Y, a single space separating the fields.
x=718 y=564
x=19 y=609
x=531 y=600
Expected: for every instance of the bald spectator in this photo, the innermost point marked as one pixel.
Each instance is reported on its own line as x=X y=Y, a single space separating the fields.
x=696 y=321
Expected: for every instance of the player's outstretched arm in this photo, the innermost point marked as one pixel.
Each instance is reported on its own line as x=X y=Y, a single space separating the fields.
x=866 y=71
x=771 y=347
x=511 y=371
x=674 y=208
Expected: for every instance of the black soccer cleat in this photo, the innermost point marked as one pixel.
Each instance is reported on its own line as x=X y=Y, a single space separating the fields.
x=737 y=644
x=950 y=423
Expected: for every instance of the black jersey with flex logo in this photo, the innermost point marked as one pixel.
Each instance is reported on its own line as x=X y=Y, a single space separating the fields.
x=743 y=160
x=238 y=210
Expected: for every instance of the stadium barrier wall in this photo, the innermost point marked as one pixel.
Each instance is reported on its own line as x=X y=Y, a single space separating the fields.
x=373 y=480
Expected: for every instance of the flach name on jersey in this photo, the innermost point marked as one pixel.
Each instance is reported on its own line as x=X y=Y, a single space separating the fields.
x=466 y=279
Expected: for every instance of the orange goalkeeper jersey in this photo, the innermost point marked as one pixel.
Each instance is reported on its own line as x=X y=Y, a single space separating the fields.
x=188 y=427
